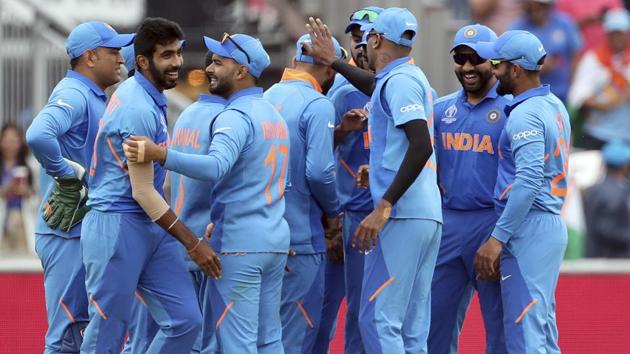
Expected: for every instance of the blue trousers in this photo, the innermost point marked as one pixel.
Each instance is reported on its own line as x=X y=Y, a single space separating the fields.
x=396 y=299
x=142 y=328
x=246 y=303
x=343 y=280
x=530 y=267
x=64 y=286
x=302 y=301
x=123 y=253
x=454 y=282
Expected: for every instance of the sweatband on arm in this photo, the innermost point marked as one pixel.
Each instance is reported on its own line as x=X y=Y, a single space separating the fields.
x=143 y=191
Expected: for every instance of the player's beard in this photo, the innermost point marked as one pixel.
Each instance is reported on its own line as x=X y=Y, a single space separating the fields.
x=160 y=76
x=506 y=84
x=221 y=88
x=483 y=77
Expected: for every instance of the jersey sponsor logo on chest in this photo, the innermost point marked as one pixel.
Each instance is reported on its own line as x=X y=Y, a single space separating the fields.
x=467 y=142
x=449 y=114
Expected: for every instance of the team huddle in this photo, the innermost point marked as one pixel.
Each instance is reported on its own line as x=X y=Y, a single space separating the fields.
x=243 y=230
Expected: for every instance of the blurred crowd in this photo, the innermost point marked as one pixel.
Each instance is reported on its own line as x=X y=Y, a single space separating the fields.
x=588 y=67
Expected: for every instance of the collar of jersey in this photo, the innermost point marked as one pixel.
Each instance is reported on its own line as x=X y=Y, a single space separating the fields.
x=293 y=74
x=89 y=83
x=157 y=96
x=492 y=94
x=396 y=62
x=256 y=91
x=204 y=97
x=542 y=90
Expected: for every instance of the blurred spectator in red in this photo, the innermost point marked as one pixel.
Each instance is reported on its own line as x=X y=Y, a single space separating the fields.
x=588 y=16
x=561 y=39
x=496 y=14
x=16 y=188
x=601 y=87
x=607 y=206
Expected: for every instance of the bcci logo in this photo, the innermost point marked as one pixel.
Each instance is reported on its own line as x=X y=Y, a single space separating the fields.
x=470 y=33
x=449 y=114
x=493 y=116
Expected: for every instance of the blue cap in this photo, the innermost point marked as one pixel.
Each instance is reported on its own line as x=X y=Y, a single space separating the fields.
x=617 y=20
x=94 y=34
x=299 y=56
x=362 y=17
x=616 y=153
x=249 y=46
x=129 y=54
x=472 y=34
x=519 y=47
x=392 y=23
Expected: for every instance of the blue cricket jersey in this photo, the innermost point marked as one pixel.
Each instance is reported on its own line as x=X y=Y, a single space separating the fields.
x=466 y=144
x=402 y=94
x=352 y=152
x=136 y=108
x=66 y=128
x=247 y=163
x=190 y=198
x=562 y=41
x=312 y=183
x=534 y=158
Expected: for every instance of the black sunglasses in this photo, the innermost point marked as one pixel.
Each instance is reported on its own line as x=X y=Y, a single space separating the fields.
x=472 y=58
x=226 y=36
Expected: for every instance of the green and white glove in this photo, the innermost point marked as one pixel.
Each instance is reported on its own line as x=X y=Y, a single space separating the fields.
x=66 y=205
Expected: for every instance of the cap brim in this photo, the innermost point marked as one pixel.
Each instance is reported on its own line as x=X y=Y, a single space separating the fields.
x=119 y=41
x=367 y=27
x=216 y=47
x=486 y=50
x=352 y=24
x=472 y=46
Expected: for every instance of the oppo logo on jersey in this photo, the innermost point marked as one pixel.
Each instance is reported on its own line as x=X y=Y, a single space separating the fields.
x=524 y=134
x=186 y=137
x=411 y=108
x=467 y=142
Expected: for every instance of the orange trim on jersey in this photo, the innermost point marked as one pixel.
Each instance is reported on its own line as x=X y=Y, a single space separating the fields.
x=140 y=298
x=179 y=203
x=225 y=312
x=431 y=165
x=546 y=156
x=525 y=311
x=67 y=310
x=98 y=308
x=309 y=322
x=120 y=163
x=345 y=165
x=293 y=74
x=380 y=289
x=505 y=191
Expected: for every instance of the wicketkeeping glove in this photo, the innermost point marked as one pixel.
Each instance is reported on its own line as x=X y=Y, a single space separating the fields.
x=66 y=205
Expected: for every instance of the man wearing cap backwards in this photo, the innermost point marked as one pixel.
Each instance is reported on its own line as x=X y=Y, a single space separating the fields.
x=191 y=201
x=125 y=242
x=401 y=236
x=344 y=266
x=312 y=195
x=61 y=137
x=468 y=124
x=526 y=247
x=247 y=162
x=607 y=211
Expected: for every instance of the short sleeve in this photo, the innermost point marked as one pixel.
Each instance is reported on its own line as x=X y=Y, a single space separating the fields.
x=405 y=98
x=137 y=121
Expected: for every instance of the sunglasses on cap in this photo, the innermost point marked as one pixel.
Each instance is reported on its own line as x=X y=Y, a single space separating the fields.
x=499 y=61
x=361 y=14
x=472 y=58
x=227 y=37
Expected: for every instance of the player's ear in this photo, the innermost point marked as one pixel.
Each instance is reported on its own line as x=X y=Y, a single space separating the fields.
x=142 y=62
x=241 y=72
x=90 y=58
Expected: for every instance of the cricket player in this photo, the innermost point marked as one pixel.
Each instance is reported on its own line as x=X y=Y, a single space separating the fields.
x=190 y=200
x=125 y=241
x=528 y=242
x=468 y=124
x=352 y=151
x=61 y=138
x=247 y=163
x=312 y=193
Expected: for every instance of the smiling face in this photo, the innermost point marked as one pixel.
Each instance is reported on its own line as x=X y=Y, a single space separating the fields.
x=165 y=64
x=221 y=74
x=107 y=62
x=473 y=72
x=358 y=54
